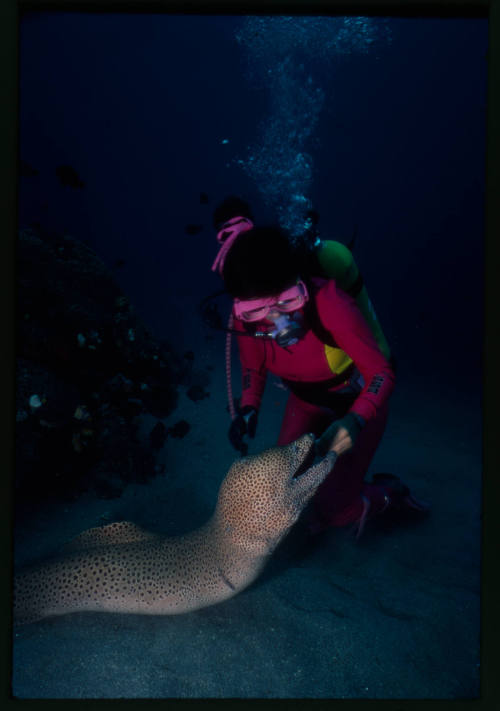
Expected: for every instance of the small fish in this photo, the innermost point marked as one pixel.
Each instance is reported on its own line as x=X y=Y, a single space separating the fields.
x=193 y=229
x=197 y=392
x=180 y=429
x=69 y=177
x=204 y=199
x=27 y=170
x=120 y=263
x=158 y=435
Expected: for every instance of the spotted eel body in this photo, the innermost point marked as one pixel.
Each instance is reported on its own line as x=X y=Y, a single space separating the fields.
x=122 y=568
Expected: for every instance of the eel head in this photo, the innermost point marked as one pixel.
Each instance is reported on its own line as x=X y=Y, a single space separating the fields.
x=263 y=495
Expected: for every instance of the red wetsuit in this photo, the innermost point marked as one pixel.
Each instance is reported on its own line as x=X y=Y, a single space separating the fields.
x=318 y=395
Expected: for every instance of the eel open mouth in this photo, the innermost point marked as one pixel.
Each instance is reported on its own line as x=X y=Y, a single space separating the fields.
x=307 y=462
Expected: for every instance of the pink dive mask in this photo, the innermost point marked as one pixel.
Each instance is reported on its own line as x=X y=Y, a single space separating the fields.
x=289 y=300
x=226 y=236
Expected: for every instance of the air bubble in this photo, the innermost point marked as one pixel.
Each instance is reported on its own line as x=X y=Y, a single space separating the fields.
x=275 y=48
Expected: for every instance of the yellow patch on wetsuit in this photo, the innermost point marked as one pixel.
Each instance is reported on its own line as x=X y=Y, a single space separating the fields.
x=337 y=359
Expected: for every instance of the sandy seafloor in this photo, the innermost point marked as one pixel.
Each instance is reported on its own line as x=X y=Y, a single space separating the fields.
x=394 y=615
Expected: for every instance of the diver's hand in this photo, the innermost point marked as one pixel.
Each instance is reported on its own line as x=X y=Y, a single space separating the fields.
x=341 y=435
x=245 y=423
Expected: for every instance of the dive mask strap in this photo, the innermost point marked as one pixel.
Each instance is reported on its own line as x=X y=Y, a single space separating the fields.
x=226 y=237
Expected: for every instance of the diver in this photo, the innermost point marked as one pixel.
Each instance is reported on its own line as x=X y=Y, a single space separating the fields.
x=294 y=320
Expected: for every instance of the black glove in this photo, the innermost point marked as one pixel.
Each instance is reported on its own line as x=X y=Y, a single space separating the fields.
x=245 y=423
x=351 y=424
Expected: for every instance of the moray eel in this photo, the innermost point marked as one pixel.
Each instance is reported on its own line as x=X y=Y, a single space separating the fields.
x=122 y=568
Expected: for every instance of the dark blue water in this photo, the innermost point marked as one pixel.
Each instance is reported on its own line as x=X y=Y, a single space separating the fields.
x=140 y=105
